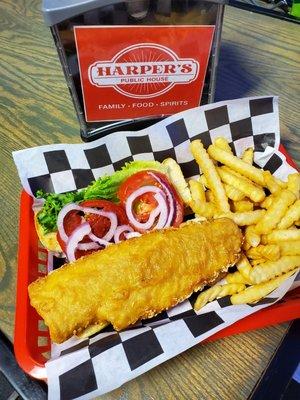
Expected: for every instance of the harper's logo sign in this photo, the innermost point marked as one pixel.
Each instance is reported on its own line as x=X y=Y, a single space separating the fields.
x=144 y=70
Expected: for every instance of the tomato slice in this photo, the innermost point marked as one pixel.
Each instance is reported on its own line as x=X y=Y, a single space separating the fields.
x=146 y=203
x=99 y=224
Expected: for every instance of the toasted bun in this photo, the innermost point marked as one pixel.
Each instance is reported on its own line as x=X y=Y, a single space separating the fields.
x=48 y=240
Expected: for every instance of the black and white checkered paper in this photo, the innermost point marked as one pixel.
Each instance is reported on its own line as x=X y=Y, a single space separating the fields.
x=90 y=367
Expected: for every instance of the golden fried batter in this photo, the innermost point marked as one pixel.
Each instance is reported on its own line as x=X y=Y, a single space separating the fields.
x=135 y=279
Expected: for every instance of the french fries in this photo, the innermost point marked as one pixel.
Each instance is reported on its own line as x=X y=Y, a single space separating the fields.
x=251 y=236
x=216 y=292
x=244 y=218
x=238 y=181
x=211 y=175
x=271 y=183
x=177 y=178
x=237 y=277
x=242 y=206
x=222 y=143
x=289 y=248
x=236 y=189
x=270 y=269
x=282 y=236
x=247 y=170
x=248 y=156
x=268 y=252
x=275 y=212
x=294 y=184
x=231 y=192
x=209 y=196
x=207 y=210
x=292 y=215
x=257 y=261
x=197 y=191
x=267 y=202
x=254 y=293
x=244 y=267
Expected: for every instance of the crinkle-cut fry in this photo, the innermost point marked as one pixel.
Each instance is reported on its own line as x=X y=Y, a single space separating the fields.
x=244 y=267
x=293 y=227
x=203 y=180
x=258 y=261
x=267 y=201
x=197 y=191
x=177 y=178
x=275 y=212
x=242 y=183
x=270 y=269
x=222 y=143
x=282 y=235
x=231 y=192
x=263 y=239
x=256 y=292
x=289 y=248
x=292 y=215
x=247 y=170
x=209 y=196
x=251 y=236
x=269 y=252
x=244 y=218
x=242 y=206
x=248 y=155
x=297 y=223
x=293 y=184
x=216 y=292
x=281 y=183
x=237 y=277
x=209 y=170
x=246 y=246
x=271 y=182
x=207 y=210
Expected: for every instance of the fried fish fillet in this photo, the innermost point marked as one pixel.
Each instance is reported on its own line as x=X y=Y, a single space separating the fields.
x=135 y=279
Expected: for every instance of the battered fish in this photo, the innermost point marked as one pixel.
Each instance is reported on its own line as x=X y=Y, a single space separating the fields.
x=135 y=279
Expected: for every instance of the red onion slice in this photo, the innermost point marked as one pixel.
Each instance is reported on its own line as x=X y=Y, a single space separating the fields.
x=87 y=210
x=76 y=236
x=60 y=219
x=121 y=229
x=88 y=246
x=107 y=214
x=163 y=209
x=129 y=204
x=98 y=240
x=170 y=199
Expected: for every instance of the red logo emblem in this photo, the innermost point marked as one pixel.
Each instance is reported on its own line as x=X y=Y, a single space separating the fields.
x=144 y=70
x=130 y=72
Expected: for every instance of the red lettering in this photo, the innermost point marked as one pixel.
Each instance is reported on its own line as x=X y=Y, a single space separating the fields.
x=186 y=68
x=132 y=70
x=170 y=69
x=157 y=69
x=103 y=71
x=117 y=71
x=145 y=68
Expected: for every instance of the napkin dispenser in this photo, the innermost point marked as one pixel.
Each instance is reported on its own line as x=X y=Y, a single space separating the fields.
x=129 y=63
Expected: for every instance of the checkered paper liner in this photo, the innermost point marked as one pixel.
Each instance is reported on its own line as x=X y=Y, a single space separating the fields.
x=89 y=367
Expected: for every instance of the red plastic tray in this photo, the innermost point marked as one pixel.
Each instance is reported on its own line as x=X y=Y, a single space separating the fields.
x=32 y=342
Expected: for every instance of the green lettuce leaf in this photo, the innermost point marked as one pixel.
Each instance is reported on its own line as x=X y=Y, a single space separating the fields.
x=105 y=187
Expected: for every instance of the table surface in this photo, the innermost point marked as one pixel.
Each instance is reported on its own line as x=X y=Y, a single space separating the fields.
x=259 y=56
